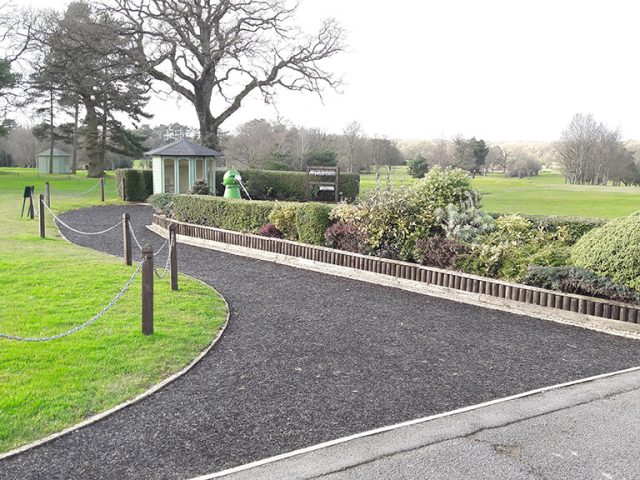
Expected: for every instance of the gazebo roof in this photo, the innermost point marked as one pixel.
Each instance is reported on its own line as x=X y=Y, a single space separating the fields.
x=184 y=148
x=56 y=153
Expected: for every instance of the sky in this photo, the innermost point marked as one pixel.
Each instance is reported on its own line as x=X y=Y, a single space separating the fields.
x=501 y=70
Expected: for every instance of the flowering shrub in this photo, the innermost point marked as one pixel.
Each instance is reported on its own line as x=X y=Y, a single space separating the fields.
x=270 y=230
x=345 y=236
x=438 y=251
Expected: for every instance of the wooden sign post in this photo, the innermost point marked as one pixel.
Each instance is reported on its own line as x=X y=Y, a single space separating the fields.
x=327 y=179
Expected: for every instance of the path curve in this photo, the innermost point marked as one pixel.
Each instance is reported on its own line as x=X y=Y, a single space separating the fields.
x=307 y=358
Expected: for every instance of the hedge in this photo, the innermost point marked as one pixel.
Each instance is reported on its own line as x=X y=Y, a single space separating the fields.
x=138 y=184
x=576 y=226
x=310 y=221
x=612 y=251
x=286 y=186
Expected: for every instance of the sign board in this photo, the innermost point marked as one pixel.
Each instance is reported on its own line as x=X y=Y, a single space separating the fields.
x=323 y=179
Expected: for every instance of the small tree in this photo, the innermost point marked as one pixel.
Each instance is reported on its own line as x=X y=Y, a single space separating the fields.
x=325 y=158
x=418 y=166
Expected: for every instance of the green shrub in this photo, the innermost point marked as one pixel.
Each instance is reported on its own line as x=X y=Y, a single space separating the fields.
x=162 y=203
x=418 y=166
x=508 y=250
x=579 y=281
x=287 y=186
x=438 y=251
x=572 y=228
x=612 y=251
x=283 y=217
x=138 y=184
x=200 y=187
x=237 y=215
x=312 y=220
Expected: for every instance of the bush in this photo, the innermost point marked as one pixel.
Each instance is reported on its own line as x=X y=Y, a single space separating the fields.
x=162 y=203
x=572 y=228
x=464 y=224
x=511 y=247
x=237 y=215
x=345 y=236
x=200 y=187
x=418 y=167
x=312 y=220
x=438 y=252
x=579 y=281
x=612 y=251
x=523 y=167
x=287 y=186
x=270 y=230
x=138 y=184
x=283 y=217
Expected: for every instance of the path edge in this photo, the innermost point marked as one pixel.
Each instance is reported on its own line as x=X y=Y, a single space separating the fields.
x=598 y=324
x=147 y=393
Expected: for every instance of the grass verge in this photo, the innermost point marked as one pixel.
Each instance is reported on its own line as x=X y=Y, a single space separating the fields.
x=50 y=286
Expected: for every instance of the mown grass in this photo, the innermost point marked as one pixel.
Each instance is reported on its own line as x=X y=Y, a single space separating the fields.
x=49 y=286
x=546 y=194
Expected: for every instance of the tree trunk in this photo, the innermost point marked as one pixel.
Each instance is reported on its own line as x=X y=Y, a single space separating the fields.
x=52 y=137
x=208 y=125
x=74 y=148
x=96 y=169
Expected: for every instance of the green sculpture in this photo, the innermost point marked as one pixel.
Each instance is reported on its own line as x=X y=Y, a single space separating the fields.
x=231 y=182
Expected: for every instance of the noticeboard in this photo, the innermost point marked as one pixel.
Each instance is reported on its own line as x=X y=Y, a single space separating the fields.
x=322 y=182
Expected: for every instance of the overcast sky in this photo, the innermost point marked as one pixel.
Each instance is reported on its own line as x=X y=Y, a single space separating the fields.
x=495 y=69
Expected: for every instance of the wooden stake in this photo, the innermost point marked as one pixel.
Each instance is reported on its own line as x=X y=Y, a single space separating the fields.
x=42 y=232
x=147 y=291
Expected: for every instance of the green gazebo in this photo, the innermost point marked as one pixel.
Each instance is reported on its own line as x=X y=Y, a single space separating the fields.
x=61 y=161
x=178 y=165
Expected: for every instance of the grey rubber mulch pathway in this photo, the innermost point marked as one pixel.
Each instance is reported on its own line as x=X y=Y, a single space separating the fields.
x=308 y=358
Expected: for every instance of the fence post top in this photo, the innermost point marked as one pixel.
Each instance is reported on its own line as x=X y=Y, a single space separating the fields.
x=126 y=216
x=42 y=196
x=147 y=249
x=173 y=227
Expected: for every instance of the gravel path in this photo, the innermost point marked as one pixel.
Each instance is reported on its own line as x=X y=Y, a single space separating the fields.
x=308 y=358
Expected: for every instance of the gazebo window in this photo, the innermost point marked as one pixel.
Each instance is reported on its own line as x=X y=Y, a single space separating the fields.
x=169 y=176
x=183 y=171
x=200 y=169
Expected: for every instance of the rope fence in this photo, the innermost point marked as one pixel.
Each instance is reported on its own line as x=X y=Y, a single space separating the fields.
x=146 y=266
x=91 y=321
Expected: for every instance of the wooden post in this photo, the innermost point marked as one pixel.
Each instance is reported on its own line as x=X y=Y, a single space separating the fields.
x=147 y=291
x=47 y=192
x=173 y=246
x=42 y=233
x=32 y=208
x=124 y=188
x=102 y=189
x=126 y=239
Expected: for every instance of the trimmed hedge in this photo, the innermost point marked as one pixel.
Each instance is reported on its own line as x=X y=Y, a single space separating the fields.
x=576 y=227
x=612 y=251
x=138 y=184
x=579 y=281
x=286 y=186
x=309 y=222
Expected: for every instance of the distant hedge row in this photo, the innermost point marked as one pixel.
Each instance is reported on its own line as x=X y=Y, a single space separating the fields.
x=287 y=186
x=309 y=220
x=138 y=184
x=261 y=184
x=576 y=226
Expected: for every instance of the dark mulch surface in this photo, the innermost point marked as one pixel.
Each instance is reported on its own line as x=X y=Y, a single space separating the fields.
x=308 y=358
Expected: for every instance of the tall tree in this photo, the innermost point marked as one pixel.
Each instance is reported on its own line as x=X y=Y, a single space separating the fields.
x=216 y=53
x=86 y=57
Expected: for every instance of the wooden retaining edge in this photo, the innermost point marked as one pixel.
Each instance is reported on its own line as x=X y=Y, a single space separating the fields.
x=452 y=280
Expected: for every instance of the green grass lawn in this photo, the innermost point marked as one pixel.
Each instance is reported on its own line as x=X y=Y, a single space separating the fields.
x=48 y=286
x=546 y=194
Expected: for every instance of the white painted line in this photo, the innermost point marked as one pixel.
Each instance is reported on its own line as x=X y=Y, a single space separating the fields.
x=409 y=423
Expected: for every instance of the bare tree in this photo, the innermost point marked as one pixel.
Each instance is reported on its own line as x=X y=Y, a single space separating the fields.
x=352 y=133
x=221 y=51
